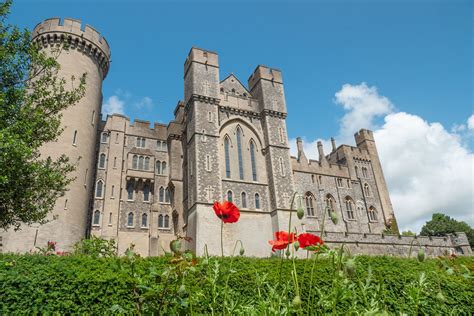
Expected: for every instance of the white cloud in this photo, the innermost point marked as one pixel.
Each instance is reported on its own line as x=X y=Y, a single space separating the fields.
x=145 y=102
x=362 y=104
x=113 y=105
x=428 y=169
x=470 y=122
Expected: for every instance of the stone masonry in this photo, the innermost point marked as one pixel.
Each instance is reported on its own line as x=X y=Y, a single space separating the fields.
x=142 y=184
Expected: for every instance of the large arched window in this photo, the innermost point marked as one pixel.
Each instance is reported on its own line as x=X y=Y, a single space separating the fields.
x=229 y=196
x=130 y=219
x=140 y=162
x=349 y=208
x=257 y=201
x=147 y=163
x=167 y=195
x=167 y=221
x=96 y=219
x=135 y=162
x=102 y=161
x=144 y=220
x=158 y=167
x=252 y=160
x=227 y=156
x=309 y=201
x=130 y=191
x=243 y=197
x=366 y=189
x=99 y=189
x=161 y=195
x=239 y=152
x=161 y=222
x=163 y=167
x=372 y=214
x=146 y=193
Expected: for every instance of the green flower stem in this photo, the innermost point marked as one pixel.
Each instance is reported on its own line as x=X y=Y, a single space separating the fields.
x=222 y=239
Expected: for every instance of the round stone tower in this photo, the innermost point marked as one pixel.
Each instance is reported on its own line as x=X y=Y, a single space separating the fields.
x=88 y=53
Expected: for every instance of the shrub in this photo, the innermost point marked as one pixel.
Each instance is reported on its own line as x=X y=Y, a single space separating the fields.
x=80 y=284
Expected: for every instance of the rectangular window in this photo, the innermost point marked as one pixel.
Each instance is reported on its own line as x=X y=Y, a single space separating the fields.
x=110 y=219
x=339 y=182
x=112 y=192
x=74 y=138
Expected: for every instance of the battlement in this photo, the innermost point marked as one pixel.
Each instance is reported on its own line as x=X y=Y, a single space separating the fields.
x=80 y=36
x=363 y=135
x=202 y=56
x=265 y=73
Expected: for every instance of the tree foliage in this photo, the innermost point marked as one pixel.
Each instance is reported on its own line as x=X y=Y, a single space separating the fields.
x=441 y=224
x=32 y=96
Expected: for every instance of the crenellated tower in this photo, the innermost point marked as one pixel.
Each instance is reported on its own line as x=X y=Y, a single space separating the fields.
x=201 y=99
x=266 y=85
x=88 y=53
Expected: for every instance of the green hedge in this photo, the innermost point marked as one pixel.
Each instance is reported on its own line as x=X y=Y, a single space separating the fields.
x=31 y=284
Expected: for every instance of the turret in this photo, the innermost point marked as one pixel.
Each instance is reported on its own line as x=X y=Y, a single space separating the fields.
x=88 y=53
x=266 y=84
x=365 y=141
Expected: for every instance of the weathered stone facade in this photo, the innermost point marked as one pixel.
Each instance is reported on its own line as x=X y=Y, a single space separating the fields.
x=227 y=141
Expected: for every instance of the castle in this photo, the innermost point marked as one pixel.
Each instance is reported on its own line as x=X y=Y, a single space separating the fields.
x=142 y=184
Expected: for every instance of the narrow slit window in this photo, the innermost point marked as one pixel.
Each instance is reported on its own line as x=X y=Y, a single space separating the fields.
x=74 y=138
x=227 y=157
x=239 y=153
x=96 y=220
x=244 y=200
x=252 y=161
x=257 y=201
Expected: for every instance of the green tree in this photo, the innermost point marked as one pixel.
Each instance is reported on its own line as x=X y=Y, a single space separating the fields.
x=441 y=224
x=32 y=96
x=408 y=233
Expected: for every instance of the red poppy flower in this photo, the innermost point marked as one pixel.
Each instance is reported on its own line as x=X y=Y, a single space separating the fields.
x=281 y=240
x=307 y=240
x=227 y=211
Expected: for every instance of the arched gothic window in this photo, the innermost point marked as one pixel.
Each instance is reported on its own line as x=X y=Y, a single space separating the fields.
x=102 y=161
x=162 y=194
x=167 y=221
x=146 y=193
x=239 y=152
x=309 y=201
x=372 y=214
x=130 y=219
x=257 y=201
x=158 y=167
x=244 y=199
x=163 y=167
x=144 y=220
x=350 y=208
x=330 y=204
x=135 y=162
x=130 y=191
x=227 y=156
x=96 y=219
x=99 y=189
x=366 y=189
x=140 y=162
x=161 y=222
x=229 y=196
x=167 y=195
x=252 y=160
x=147 y=163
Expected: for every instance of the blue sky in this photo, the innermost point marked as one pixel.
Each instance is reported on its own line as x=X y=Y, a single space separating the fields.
x=418 y=53
x=391 y=66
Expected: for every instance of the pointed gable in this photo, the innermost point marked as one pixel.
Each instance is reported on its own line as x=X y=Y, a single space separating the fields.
x=232 y=85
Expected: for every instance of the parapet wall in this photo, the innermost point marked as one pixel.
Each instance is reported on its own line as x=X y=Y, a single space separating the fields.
x=82 y=37
x=397 y=245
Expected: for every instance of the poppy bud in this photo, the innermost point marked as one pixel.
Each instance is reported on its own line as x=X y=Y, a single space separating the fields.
x=296 y=244
x=242 y=251
x=421 y=255
x=350 y=267
x=440 y=297
x=297 y=302
x=300 y=213
x=287 y=253
x=182 y=290
x=175 y=246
